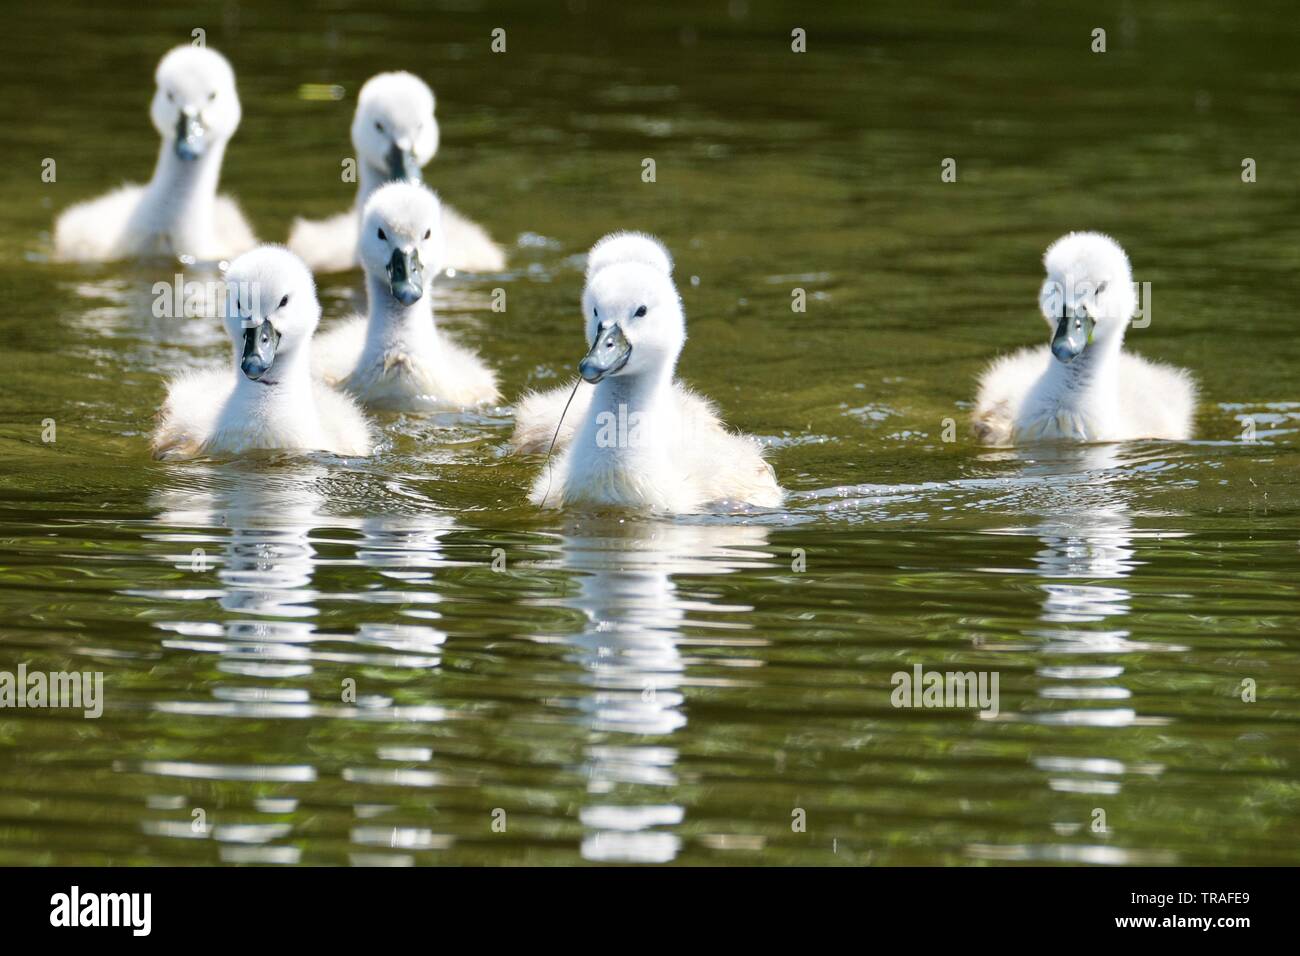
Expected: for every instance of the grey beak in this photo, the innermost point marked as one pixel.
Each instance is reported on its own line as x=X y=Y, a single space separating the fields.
x=260 y=344
x=402 y=165
x=608 y=354
x=190 y=137
x=405 y=277
x=1073 y=334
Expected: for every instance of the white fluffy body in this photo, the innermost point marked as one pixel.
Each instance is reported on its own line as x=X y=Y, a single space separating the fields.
x=1104 y=394
x=178 y=212
x=393 y=110
x=639 y=439
x=222 y=413
x=395 y=357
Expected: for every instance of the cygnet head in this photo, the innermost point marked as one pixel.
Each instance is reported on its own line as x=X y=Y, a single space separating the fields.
x=394 y=131
x=195 y=104
x=401 y=239
x=1088 y=296
x=271 y=311
x=634 y=315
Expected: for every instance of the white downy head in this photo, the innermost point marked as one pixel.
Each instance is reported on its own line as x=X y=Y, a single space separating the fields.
x=394 y=130
x=1088 y=297
x=271 y=312
x=401 y=239
x=634 y=317
x=195 y=106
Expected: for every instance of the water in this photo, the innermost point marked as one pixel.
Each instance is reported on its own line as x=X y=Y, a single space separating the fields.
x=677 y=691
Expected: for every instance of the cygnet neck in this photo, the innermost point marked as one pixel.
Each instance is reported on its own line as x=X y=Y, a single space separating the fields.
x=1089 y=376
x=285 y=388
x=182 y=195
x=393 y=323
x=646 y=395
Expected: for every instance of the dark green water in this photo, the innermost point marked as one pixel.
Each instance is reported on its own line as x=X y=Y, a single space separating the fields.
x=676 y=690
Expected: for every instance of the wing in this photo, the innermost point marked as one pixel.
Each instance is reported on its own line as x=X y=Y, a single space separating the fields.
x=189 y=414
x=345 y=424
x=469 y=247
x=93 y=231
x=234 y=234
x=326 y=245
x=723 y=465
x=1159 y=399
x=335 y=352
x=465 y=379
x=1002 y=388
x=538 y=413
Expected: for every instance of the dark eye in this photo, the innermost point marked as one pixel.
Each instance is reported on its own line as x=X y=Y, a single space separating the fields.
x=284 y=302
x=379 y=126
x=212 y=96
x=382 y=236
x=639 y=312
x=428 y=233
x=170 y=98
x=595 y=313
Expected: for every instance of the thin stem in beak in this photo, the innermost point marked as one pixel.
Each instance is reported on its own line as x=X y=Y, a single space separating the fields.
x=550 y=472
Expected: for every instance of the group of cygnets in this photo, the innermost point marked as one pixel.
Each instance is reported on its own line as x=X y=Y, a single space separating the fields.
x=628 y=434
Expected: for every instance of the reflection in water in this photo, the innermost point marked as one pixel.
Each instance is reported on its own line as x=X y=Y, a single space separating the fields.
x=264 y=528
x=409 y=550
x=1087 y=537
x=167 y=314
x=629 y=592
x=1096 y=546
x=266 y=560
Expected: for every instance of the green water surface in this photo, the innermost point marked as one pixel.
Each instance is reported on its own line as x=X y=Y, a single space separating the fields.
x=654 y=690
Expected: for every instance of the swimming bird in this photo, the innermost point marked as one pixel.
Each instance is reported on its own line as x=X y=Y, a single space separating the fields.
x=396 y=358
x=634 y=437
x=269 y=402
x=395 y=134
x=196 y=110
x=1083 y=386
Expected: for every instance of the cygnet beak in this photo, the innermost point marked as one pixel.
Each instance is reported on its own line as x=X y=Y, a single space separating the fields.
x=608 y=354
x=260 y=343
x=191 y=137
x=402 y=164
x=1073 y=334
x=404 y=275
